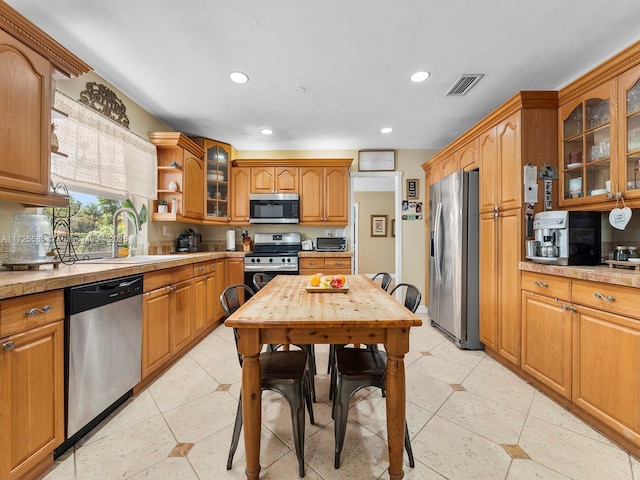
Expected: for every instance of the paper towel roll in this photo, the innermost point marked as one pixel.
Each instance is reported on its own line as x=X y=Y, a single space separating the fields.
x=231 y=240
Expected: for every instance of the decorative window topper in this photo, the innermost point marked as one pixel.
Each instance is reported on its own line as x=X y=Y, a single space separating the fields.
x=103 y=100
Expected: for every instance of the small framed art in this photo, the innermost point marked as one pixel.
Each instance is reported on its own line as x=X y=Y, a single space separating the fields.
x=376 y=160
x=378 y=225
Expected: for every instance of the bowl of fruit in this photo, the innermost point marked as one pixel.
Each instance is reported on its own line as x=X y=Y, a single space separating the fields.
x=319 y=282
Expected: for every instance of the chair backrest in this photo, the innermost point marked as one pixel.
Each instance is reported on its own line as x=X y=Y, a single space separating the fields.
x=385 y=279
x=412 y=296
x=234 y=296
x=260 y=280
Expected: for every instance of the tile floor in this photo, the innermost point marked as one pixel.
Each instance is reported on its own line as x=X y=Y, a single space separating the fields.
x=469 y=418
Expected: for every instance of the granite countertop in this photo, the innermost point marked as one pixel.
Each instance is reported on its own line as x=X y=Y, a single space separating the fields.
x=313 y=253
x=24 y=282
x=597 y=273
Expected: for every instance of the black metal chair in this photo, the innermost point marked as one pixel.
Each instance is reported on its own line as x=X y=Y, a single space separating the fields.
x=260 y=280
x=412 y=295
x=284 y=372
x=385 y=280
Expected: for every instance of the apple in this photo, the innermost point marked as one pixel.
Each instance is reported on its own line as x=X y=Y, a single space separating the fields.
x=337 y=281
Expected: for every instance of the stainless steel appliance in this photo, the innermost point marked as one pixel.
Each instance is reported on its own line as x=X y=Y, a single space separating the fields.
x=567 y=238
x=103 y=354
x=273 y=254
x=453 y=265
x=188 y=242
x=274 y=208
x=331 y=244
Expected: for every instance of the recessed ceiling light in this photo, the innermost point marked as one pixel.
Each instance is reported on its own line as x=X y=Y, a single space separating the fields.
x=420 y=76
x=238 y=77
x=386 y=130
x=266 y=131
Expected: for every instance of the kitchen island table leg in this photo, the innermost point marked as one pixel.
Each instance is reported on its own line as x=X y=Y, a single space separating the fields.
x=396 y=346
x=249 y=347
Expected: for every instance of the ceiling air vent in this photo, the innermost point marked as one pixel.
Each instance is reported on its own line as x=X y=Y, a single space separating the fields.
x=463 y=84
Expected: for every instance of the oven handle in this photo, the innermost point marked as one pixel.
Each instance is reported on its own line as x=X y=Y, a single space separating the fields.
x=269 y=268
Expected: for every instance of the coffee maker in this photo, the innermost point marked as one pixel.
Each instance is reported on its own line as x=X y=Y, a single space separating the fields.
x=566 y=238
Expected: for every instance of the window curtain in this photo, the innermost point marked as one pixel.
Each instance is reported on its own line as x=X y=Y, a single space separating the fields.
x=102 y=156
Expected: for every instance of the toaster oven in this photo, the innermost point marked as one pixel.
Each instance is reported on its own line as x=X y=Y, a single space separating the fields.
x=331 y=244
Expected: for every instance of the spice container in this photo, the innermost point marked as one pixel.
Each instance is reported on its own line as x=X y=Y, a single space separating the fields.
x=621 y=253
x=633 y=252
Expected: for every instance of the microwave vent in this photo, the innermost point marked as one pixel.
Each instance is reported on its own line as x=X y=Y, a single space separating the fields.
x=463 y=84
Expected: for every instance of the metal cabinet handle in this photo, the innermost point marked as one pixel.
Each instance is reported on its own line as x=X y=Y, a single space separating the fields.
x=607 y=298
x=541 y=284
x=569 y=307
x=312 y=263
x=8 y=346
x=200 y=269
x=35 y=311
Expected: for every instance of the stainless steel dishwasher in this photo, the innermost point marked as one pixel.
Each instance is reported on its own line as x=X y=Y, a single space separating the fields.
x=103 y=351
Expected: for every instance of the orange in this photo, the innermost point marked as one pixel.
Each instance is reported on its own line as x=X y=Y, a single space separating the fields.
x=314 y=281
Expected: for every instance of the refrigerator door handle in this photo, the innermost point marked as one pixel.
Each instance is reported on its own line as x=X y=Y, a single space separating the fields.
x=437 y=241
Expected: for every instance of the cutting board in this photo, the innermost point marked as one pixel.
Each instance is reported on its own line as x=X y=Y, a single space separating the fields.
x=343 y=289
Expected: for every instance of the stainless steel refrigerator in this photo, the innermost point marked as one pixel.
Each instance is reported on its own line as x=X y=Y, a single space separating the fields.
x=453 y=264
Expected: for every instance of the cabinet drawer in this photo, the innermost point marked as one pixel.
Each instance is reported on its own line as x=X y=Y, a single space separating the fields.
x=182 y=273
x=604 y=296
x=549 y=285
x=24 y=313
x=312 y=262
x=202 y=268
x=154 y=280
x=338 y=262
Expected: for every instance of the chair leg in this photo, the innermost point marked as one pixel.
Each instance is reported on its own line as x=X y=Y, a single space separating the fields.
x=311 y=368
x=306 y=389
x=236 y=434
x=407 y=445
x=297 y=421
x=341 y=413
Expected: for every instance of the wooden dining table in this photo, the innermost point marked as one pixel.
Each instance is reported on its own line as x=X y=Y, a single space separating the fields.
x=284 y=312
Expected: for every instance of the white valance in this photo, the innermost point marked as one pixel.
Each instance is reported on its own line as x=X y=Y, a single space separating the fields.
x=103 y=156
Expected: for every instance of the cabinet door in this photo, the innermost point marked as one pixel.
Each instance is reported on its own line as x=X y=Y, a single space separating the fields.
x=182 y=305
x=219 y=287
x=606 y=384
x=509 y=163
x=234 y=269
x=156 y=329
x=628 y=153
x=211 y=299
x=200 y=310
x=286 y=179
x=262 y=180
x=193 y=188
x=240 y=177
x=311 y=194
x=508 y=306
x=488 y=171
x=32 y=394
x=336 y=195
x=546 y=341
x=25 y=122
x=468 y=156
x=488 y=283
x=449 y=165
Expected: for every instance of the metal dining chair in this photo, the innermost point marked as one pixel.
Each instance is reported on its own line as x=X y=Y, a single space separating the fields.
x=385 y=279
x=284 y=372
x=412 y=295
x=260 y=279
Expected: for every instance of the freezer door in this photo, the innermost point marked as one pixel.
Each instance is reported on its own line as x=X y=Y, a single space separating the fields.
x=435 y=210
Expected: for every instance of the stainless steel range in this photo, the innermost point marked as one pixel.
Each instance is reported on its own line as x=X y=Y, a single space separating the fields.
x=273 y=254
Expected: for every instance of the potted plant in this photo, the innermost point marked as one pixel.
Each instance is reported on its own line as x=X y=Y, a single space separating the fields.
x=162 y=206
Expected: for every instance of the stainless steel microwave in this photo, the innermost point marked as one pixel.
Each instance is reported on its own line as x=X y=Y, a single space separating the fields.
x=274 y=208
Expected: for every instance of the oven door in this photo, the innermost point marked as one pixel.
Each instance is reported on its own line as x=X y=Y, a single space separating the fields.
x=249 y=273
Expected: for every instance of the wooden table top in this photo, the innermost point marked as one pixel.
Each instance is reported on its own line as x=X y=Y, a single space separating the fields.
x=285 y=303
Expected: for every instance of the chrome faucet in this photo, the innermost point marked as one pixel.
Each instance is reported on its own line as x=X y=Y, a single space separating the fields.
x=115 y=226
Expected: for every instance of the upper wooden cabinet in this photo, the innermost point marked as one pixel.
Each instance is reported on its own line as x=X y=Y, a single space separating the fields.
x=274 y=180
x=217 y=191
x=28 y=59
x=180 y=166
x=323 y=186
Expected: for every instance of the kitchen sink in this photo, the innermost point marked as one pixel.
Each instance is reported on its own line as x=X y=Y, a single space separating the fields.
x=136 y=259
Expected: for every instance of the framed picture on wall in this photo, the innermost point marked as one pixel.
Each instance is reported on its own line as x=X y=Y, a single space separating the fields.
x=378 y=225
x=376 y=160
x=412 y=188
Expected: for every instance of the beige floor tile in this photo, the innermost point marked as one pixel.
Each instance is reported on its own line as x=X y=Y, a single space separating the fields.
x=183 y=382
x=171 y=468
x=193 y=421
x=458 y=453
x=419 y=472
x=528 y=470
x=443 y=369
x=287 y=468
x=126 y=452
x=572 y=454
x=63 y=468
x=484 y=417
x=425 y=391
x=635 y=468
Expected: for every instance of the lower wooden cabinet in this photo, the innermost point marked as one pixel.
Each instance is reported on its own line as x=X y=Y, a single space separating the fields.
x=156 y=329
x=234 y=270
x=31 y=398
x=329 y=265
x=183 y=312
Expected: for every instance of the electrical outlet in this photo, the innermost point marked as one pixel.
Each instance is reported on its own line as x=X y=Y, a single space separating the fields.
x=165 y=230
x=327 y=232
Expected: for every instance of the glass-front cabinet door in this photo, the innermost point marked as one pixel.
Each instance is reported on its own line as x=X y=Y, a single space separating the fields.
x=586 y=128
x=629 y=108
x=217 y=157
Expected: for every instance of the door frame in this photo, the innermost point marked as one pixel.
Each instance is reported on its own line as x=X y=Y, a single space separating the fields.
x=377 y=178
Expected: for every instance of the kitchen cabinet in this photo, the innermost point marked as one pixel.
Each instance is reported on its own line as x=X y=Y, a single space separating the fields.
x=327 y=264
x=240 y=181
x=31 y=382
x=234 y=270
x=28 y=59
x=181 y=175
x=629 y=139
x=156 y=329
x=324 y=195
x=274 y=179
x=547 y=330
x=217 y=191
x=207 y=292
